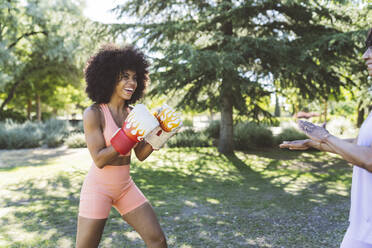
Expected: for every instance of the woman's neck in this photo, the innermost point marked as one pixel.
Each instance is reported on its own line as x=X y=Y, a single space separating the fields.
x=116 y=105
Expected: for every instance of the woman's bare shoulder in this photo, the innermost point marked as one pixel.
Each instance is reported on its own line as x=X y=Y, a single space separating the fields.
x=92 y=114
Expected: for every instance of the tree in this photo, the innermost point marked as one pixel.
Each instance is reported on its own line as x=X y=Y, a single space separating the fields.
x=46 y=44
x=220 y=54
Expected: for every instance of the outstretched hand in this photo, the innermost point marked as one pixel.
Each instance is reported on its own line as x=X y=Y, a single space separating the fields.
x=314 y=132
x=296 y=144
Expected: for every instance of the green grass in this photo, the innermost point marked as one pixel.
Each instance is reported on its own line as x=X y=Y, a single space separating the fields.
x=273 y=198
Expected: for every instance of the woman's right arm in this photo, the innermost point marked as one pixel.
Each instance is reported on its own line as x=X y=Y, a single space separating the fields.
x=95 y=140
x=309 y=143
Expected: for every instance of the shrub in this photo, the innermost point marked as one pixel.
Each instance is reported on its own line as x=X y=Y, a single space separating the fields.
x=189 y=138
x=288 y=134
x=187 y=123
x=76 y=140
x=79 y=128
x=15 y=136
x=12 y=115
x=213 y=130
x=55 y=132
x=249 y=135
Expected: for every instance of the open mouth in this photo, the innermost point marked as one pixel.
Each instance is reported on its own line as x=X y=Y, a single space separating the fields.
x=129 y=90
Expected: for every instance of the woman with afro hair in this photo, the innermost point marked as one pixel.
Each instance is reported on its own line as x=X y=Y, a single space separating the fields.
x=115 y=77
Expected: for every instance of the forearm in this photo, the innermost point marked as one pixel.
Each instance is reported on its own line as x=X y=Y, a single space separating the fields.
x=143 y=150
x=358 y=155
x=106 y=156
x=321 y=146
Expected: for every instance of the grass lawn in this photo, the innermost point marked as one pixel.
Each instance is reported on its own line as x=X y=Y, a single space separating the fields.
x=273 y=198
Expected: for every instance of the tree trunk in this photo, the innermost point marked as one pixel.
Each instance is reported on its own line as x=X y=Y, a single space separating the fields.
x=226 y=141
x=29 y=108
x=277 y=106
x=360 y=117
x=11 y=94
x=325 y=110
x=38 y=107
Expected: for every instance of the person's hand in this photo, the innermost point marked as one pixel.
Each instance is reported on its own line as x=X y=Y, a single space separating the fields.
x=314 y=132
x=296 y=144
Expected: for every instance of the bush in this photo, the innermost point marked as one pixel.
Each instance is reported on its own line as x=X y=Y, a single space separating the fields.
x=249 y=135
x=187 y=123
x=32 y=134
x=17 y=136
x=12 y=115
x=55 y=132
x=190 y=138
x=213 y=130
x=288 y=134
x=76 y=140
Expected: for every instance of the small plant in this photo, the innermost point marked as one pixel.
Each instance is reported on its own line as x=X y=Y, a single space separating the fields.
x=15 y=136
x=213 y=130
x=189 y=138
x=249 y=135
x=289 y=134
x=76 y=140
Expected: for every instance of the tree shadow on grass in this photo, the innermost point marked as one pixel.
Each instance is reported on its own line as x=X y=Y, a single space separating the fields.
x=202 y=200
x=14 y=159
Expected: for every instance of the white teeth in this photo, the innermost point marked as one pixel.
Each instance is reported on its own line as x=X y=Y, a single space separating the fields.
x=128 y=89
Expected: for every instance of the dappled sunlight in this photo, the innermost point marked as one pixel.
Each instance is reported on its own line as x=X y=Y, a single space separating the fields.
x=200 y=198
x=132 y=235
x=213 y=201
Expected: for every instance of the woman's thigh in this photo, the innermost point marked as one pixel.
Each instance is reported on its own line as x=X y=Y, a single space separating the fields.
x=89 y=232
x=143 y=219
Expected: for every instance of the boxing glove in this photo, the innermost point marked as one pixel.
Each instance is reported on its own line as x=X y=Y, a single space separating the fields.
x=139 y=123
x=170 y=122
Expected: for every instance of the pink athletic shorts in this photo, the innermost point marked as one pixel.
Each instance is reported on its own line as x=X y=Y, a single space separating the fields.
x=110 y=186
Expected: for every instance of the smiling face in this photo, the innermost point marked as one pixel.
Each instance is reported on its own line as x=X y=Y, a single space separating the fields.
x=127 y=85
x=367 y=56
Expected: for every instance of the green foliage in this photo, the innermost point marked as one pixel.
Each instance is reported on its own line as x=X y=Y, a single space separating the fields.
x=43 y=51
x=16 y=136
x=214 y=52
x=213 y=129
x=76 y=140
x=249 y=135
x=55 y=132
x=288 y=134
x=190 y=138
x=15 y=116
x=187 y=123
x=33 y=134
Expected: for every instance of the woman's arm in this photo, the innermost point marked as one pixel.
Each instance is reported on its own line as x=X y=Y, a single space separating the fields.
x=309 y=143
x=143 y=150
x=358 y=155
x=95 y=140
x=305 y=144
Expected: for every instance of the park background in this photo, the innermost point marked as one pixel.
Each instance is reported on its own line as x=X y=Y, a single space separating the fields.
x=241 y=73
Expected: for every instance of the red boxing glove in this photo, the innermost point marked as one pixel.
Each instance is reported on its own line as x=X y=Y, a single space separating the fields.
x=138 y=124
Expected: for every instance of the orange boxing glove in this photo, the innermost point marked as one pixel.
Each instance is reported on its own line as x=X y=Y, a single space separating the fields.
x=170 y=122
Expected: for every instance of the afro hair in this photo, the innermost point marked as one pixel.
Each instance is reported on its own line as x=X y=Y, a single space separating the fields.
x=105 y=69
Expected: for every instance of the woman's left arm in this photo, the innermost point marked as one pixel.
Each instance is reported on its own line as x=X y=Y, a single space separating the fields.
x=143 y=150
x=358 y=155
